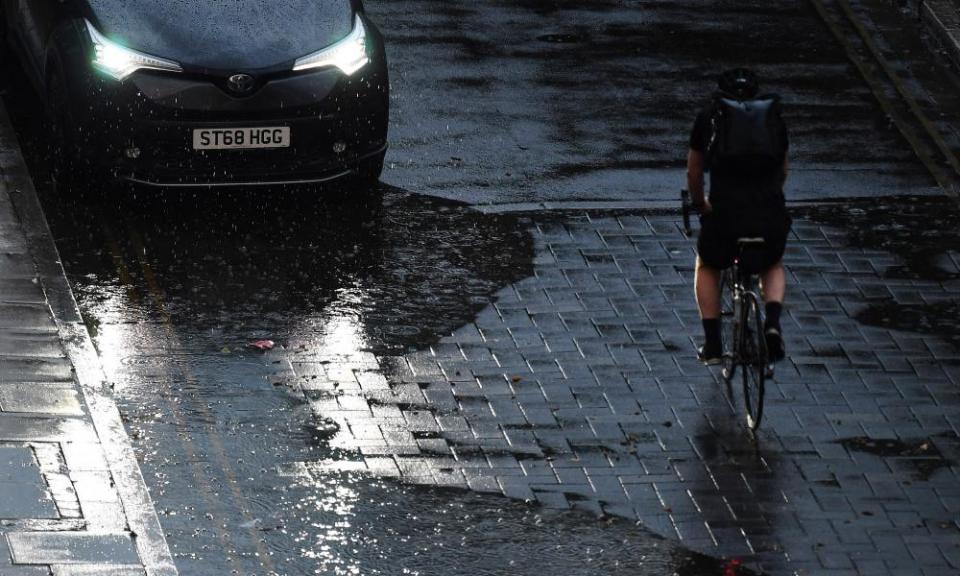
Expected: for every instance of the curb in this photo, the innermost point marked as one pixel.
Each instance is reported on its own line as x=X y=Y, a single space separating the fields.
x=645 y=206
x=941 y=19
x=134 y=496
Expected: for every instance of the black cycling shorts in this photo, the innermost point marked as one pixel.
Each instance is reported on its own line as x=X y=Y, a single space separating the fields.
x=717 y=246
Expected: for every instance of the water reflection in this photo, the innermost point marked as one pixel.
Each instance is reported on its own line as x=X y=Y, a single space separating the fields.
x=343 y=332
x=411 y=530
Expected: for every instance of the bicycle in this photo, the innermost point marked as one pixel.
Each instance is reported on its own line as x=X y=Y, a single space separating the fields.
x=744 y=345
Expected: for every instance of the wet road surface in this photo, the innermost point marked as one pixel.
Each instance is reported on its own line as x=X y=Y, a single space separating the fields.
x=229 y=445
x=561 y=100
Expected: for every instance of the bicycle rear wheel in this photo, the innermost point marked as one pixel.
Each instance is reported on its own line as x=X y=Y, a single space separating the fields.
x=729 y=323
x=753 y=348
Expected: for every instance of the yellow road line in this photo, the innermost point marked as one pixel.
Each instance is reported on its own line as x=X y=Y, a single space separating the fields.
x=185 y=441
x=220 y=452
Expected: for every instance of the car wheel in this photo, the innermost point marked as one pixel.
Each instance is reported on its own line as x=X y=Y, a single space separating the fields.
x=370 y=169
x=70 y=175
x=366 y=182
x=4 y=48
x=60 y=148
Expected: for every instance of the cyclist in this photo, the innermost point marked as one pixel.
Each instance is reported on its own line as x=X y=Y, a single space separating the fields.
x=746 y=200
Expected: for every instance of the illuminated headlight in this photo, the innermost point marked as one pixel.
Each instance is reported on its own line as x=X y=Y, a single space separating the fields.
x=120 y=62
x=349 y=54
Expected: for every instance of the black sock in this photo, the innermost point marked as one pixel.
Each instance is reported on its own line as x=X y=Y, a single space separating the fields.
x=773 y=315
x=711 y=331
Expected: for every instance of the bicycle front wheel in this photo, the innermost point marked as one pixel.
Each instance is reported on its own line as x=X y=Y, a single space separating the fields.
x=753 y=348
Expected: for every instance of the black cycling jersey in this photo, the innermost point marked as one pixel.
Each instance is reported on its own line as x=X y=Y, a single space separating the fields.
x=748 y=200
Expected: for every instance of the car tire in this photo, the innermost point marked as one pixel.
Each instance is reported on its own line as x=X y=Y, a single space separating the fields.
x=60 y=148
x=366 y=182
x=370 y=169
x=71 y=176
x=4 y=49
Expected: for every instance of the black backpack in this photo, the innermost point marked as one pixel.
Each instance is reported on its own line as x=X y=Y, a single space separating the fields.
x=746 y=135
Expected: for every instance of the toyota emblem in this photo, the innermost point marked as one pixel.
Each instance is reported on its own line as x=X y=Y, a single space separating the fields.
x=240 y=83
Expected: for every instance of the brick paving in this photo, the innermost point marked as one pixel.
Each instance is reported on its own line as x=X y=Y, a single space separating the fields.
x=72 y=500
x=578 y=388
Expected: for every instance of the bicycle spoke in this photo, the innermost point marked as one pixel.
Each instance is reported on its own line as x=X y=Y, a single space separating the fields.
x=728 y=315
x=754 y=360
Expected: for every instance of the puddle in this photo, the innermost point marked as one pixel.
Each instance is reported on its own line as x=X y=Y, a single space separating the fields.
x=921 y=454
x=921 y=233
x=428 y=531
x=939 y=319
x=920 y=230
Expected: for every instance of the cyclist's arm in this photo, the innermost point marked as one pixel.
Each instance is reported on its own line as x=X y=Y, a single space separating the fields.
x=695 y=169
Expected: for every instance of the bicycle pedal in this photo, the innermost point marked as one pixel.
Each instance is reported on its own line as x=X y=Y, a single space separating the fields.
x=770 y=370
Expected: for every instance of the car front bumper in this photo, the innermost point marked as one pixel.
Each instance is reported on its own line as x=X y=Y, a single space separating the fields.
x=141 y=130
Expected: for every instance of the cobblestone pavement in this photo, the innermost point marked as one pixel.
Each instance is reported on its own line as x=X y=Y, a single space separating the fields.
x=72 y=501
x=579 y=389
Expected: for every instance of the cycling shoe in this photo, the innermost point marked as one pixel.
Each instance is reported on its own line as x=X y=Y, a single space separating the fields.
x=775 y=348
x=709 y=356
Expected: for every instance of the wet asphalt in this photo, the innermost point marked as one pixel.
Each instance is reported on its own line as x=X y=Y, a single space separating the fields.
x=503 y=102
x=550 y=100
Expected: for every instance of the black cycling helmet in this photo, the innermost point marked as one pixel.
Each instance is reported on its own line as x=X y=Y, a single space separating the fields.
x=739 y=82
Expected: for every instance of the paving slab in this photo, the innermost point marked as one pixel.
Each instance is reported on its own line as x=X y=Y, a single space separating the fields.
x=21 y=368
x=25 y=571
x=25 y=315
x=42 y=344
x=27 y=502
x=72 y=548
x=16 y=427
x=57 y=398
x=97 y=570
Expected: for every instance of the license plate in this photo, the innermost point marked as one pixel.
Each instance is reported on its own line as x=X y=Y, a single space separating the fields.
x=241 y=138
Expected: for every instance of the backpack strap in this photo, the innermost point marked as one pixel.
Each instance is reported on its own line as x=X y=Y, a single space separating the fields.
x=716 y=116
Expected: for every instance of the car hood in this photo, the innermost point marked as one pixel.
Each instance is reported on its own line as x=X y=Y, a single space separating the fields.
x=225 y=35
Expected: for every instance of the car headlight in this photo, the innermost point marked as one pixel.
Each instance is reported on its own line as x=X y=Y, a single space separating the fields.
x=120 y=62
x=349 y=54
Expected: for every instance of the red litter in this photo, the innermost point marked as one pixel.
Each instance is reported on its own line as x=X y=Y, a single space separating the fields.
x=262 y=344
x=732 y=566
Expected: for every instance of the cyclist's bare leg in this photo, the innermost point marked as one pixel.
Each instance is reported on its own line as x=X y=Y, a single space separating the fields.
x=774 y=283
x=707 y=287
